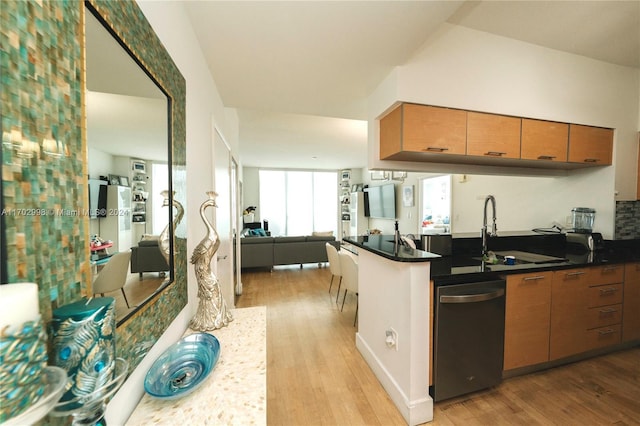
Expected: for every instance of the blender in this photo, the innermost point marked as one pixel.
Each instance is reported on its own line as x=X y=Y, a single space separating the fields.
x=581 y=235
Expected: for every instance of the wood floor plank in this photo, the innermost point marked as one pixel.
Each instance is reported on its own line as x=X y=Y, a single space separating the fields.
x=316 y=375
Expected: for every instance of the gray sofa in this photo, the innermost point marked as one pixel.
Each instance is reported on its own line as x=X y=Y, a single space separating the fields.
x=147 y=257
x=266 y=252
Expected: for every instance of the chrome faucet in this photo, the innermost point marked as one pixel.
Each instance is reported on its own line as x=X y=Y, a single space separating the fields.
x=494 y=228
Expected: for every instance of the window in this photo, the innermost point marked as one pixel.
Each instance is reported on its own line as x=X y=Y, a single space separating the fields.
x=299 y=202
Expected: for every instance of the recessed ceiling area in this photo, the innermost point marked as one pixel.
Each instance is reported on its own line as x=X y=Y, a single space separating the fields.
x=297 y=72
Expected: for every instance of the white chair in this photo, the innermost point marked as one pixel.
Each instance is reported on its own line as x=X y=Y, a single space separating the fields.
x=114 y=275
x=334 y=266
x=349 y=269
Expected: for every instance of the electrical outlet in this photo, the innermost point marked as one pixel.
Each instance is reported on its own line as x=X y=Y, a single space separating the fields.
x=391 y=338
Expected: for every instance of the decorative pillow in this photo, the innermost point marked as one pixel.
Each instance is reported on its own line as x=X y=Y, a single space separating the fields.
x=322 y=234
x=149 y=237
x=258 y=232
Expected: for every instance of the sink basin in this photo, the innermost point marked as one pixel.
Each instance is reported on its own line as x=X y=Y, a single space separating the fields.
x=526 y=258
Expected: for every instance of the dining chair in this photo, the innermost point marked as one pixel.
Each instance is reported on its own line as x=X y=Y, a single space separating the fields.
x=334 y=266
x=113 y=275
x=349 y=269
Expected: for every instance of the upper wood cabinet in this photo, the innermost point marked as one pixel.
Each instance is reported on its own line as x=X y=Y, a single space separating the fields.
x=412 y=132
x=593 y=145
x=638 y=187
x=544 y=140
x=423 y=129
x=493 y=135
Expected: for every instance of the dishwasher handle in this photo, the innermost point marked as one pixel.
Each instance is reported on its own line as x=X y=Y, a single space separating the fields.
x=472 y=298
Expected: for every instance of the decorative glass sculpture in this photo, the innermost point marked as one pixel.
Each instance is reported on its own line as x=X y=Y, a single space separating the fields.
x=183 y=366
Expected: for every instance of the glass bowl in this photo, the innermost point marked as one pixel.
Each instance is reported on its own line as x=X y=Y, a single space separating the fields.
x=183 y=366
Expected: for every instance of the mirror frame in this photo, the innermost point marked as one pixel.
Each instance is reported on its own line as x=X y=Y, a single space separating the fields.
x=128 y=25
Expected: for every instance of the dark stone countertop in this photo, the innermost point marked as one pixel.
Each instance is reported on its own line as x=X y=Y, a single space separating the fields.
x=466 y=261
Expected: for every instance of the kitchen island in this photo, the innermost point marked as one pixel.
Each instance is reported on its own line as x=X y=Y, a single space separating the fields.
x=571 y=305
x=394 y=309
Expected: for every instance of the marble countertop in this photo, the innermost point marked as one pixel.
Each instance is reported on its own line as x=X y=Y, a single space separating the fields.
x=235 y=393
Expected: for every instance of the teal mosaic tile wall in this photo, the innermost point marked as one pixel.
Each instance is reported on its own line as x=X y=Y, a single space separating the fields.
x=45 y=233
x=44 y=196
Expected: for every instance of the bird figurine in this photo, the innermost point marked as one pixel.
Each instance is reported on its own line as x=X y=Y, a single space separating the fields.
x=212 y=310
x=163 y=240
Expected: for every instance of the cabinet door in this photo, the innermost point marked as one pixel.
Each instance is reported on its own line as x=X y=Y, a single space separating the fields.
x=544 y=140
x=631 y=303
x=590 y=145
x=568 y=313
x=434 y=130
x=493 y=135
x=527 y=320
x=391 y=133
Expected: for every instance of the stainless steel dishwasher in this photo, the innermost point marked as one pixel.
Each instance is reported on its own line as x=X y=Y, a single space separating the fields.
x=468 y=346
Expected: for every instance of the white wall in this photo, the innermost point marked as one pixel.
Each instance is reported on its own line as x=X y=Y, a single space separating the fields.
x=464 y=68
x=204 y=111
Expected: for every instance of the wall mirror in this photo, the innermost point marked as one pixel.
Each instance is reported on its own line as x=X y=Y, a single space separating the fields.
x=153 y=135
x=128 y=166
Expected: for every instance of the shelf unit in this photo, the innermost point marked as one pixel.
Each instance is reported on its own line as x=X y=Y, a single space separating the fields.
x=345 y=199
x=139 y=192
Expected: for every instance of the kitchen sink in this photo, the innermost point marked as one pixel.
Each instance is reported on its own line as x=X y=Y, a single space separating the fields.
x=526 y=258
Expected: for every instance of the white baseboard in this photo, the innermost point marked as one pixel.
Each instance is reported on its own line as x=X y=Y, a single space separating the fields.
x=414 y=412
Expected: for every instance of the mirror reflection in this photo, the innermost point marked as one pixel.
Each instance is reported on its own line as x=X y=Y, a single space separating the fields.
x=128 y=168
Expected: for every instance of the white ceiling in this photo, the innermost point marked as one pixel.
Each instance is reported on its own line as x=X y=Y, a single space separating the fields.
x=299 y=72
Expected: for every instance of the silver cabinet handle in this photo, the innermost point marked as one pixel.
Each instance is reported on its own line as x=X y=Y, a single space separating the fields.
x=574 y=274
x=609 y=290
x=534 y=278
x=546 y=157
x=607 y=331
x=495 y=153
x=435 y=149
x=471 y=298
x=222 y=257
x=608 y=311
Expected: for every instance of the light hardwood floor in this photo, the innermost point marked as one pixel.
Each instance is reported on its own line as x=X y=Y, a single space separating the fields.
x=316 y=376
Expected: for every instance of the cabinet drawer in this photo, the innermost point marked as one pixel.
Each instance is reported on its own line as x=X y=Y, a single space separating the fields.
x=609 y=274
x=604 y=295
x=603 y=336
x=603 y=316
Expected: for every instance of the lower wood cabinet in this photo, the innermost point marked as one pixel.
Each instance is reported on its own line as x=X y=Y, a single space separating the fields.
x=631 y=304
x=527 y=319
x=568 y=312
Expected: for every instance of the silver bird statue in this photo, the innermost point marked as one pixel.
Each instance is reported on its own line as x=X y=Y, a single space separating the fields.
x=212 y=310
x=163 y=240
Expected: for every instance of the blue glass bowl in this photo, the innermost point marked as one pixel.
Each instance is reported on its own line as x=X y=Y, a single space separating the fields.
x=183 y=366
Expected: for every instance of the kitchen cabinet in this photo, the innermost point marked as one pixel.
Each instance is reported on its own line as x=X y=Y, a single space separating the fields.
x=493 y=135
x=527 y=319
x=638 y=169
x=586 y=309
x=422 y=129
x=423 y=133
x=631 y=305
x=590 y=145
x=568 y=313
x=544 y=140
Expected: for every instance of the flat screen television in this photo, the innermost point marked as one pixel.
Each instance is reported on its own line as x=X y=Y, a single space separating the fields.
x=97 y=198
x=382 y=201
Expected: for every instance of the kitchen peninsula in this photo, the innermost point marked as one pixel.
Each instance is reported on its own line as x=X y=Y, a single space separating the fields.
x=394 y=308
x=596 y=305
